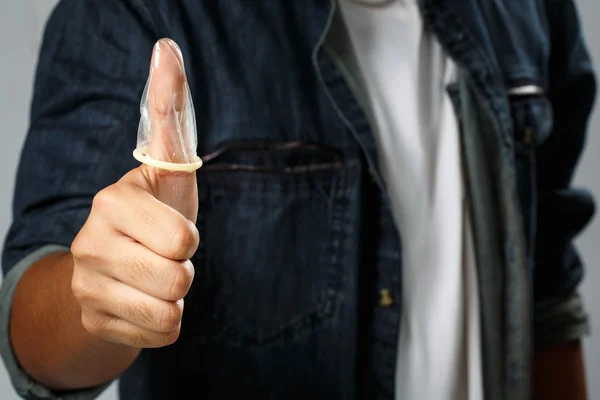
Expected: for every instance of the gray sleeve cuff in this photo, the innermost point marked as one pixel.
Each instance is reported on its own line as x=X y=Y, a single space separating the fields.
x=25 y=386
x=560 y=319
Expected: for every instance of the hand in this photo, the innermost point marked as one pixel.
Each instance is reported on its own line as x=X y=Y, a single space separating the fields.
x=131 y=258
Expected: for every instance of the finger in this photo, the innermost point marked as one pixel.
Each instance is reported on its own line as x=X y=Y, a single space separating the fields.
x=115 y=330
x=167 y=102
x=157 y=276
x=168 y=131
x=115 y=298
x=137 y=214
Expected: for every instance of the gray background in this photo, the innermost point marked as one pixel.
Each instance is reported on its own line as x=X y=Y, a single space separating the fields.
x=21 y=26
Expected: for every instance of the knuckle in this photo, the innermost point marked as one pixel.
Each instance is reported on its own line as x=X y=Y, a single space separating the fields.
x=77 y=287
x=170 y=317
x=81 y=287
x=185 y=240
x=183 y=277
x=105 y=200
x=82 y=247
x=88 y=244
x=78 y=246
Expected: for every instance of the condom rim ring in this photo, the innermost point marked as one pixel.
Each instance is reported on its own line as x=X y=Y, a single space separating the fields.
x=139 y=154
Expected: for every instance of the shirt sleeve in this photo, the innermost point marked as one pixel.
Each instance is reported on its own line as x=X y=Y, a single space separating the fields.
x=26 y=386
x=563 y=209
x=560 y=319
x=92 y=69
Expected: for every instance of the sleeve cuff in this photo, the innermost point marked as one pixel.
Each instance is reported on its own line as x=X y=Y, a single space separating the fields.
x=560 y=319
x=24 y=385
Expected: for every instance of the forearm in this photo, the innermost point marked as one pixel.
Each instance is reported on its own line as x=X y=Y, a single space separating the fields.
x=48 y=337
x=559 y=372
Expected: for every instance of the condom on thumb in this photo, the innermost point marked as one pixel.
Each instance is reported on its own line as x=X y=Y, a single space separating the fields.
x=167 y=137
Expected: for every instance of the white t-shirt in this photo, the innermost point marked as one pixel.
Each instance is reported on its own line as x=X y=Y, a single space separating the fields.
x=406 y=71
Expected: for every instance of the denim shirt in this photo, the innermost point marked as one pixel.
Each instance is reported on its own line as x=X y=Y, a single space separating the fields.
x=298 y=248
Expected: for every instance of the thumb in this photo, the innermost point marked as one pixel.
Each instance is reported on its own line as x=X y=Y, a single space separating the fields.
x=167 y=135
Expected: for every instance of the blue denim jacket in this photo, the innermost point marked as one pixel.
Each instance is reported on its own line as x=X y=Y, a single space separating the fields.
x=298 y=244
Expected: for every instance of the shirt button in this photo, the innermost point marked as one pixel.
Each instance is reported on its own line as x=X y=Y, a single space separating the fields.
x=528 y=137
x=385 y=298
x=372 y=177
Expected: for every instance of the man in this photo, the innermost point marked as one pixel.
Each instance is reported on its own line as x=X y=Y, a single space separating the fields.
x=384 y=209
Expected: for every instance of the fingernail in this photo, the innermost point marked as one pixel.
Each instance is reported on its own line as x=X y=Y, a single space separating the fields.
x=173 y=47
x=157 y=54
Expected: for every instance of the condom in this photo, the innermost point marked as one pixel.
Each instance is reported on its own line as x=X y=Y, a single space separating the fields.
x=167 y=136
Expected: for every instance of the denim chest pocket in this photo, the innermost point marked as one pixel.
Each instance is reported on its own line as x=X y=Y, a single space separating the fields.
x=532 y=122
x=265 y=268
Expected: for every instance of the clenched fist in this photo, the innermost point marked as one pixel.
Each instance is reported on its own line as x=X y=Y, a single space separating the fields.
x=132 y=257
